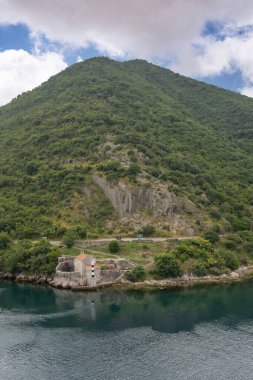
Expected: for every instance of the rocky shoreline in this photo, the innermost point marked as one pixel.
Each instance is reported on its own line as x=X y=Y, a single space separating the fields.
x=24 y=278
x=242 y=273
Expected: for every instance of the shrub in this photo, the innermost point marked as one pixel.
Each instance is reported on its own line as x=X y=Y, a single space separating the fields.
x=248 y=247
x=214 y=213
x=5 y=240
x=44 y=263
x=40 y=258
x=183 y=257
x=231 y=260
x=211 y=236
x=215 y=271
x=137 y=274
x=167 y=265
x=200 y=270
x=7 y=226
x=148 y=230
x=113 y=246
x=192 y=248
x=31 y=168
x=241 y=224
x=12 y=261
x=81 y=232
x=24 y=232
x=134 y=169
x=103 y=266
x=41 y=248
x=230 y=244
x=69 y=239
x=244 y=236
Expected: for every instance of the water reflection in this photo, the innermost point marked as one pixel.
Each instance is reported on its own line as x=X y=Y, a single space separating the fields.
x=111 y=310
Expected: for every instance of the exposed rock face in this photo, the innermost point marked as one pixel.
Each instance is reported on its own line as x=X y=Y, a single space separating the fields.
x=128 y=199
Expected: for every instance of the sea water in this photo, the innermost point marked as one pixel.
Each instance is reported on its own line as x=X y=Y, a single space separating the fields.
x=193 y=333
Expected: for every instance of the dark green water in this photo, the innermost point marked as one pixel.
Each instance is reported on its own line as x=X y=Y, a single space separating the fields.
x=197 y=333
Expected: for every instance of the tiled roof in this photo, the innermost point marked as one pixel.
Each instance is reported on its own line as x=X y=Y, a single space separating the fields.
x=81 y=257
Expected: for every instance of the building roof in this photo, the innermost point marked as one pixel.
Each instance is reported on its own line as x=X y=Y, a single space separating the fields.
x=81 y=257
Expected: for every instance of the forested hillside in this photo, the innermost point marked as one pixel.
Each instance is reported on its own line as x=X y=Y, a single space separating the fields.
x=70 y=148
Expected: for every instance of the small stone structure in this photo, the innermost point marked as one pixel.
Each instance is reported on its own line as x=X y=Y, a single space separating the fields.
x=84 y=270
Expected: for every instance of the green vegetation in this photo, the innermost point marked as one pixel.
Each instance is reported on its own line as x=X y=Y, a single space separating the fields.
x=147 y=231
x=155 y=260
x=5 y=240
x=212 y=236
x=69 y=239
x=140 y=123
x=113 y=246
x=137 y=274
x=197 y=255
x=167 y=265
x=123 y=120
x=135 y=251
x=30 y=258
x=200 y=257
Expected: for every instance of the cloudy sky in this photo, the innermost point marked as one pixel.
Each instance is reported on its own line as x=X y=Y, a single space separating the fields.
x=208 y=40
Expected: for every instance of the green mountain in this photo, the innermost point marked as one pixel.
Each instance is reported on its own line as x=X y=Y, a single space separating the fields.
x=113 y=147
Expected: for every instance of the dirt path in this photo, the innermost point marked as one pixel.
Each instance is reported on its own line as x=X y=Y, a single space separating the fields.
x=107 y=240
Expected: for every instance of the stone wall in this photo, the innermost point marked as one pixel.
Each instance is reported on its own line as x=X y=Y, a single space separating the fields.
x=71 y=276
x=123 y=264
x=90 y=243
x=110 y=275
x=93 y=281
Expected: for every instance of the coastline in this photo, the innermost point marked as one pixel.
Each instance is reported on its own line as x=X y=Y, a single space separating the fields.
x=241 y=274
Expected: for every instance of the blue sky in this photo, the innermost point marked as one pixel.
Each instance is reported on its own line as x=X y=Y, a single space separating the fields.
x=211 y=42
x=18 y=37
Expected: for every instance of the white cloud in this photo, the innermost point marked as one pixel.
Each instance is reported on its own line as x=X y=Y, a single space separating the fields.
x=248 y=91
x=139 y=28
x=21 y=71
x=157 y=30
x=215 y=57
x=79 y=59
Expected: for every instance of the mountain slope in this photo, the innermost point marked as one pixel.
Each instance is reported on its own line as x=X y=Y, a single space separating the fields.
x=115 y=146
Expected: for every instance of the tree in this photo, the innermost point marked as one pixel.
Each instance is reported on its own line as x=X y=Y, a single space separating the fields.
x=167 y=265
x=200 y=269
x=31 y=168
x=134 y=169
x=211 y=236
x=5 y=240
x=7 y=226
x=231 y=260
x=148 y=230
x=81 y=232
x=113 y=246
x=69 y=239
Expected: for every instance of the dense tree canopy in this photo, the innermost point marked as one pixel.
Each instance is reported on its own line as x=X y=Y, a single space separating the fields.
x=120 y=119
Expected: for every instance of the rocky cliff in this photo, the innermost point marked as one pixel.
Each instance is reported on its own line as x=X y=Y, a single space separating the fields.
x=129 y=199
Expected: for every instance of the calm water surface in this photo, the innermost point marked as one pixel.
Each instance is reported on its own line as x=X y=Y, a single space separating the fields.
x=197 y=333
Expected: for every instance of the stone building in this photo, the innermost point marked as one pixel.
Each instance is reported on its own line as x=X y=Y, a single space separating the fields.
x=84 y=270
x=88 y=269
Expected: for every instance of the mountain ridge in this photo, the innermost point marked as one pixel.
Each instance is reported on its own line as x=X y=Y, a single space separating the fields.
x=127 y=122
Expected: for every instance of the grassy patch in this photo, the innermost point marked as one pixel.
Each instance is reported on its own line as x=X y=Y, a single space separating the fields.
x=69 y=251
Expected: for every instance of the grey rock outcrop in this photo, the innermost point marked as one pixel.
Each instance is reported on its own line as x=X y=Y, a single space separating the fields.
x=128 y=199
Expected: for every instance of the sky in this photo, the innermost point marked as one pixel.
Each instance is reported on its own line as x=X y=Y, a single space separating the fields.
x=206 y=40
